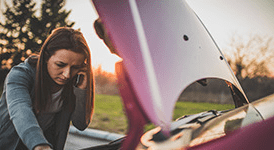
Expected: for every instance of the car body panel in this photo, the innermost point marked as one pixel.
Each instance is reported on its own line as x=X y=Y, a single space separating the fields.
x=265 y=106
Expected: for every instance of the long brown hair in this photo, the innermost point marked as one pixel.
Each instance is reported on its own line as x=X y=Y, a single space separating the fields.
x=73 y=40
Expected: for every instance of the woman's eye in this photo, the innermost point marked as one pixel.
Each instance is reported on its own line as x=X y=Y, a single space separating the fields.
x=60 y=65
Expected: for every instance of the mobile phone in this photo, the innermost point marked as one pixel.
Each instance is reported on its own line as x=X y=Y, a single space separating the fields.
x=79 y=78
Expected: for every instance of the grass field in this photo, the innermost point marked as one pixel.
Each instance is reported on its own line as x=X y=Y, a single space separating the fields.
x=109 y=114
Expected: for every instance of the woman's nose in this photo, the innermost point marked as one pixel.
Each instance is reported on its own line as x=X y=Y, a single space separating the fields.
x=66 y=73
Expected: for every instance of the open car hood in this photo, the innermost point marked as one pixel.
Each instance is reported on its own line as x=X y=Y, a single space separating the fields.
x=165 y=48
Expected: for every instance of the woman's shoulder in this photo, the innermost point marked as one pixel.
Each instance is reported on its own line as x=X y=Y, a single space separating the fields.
x=32 y=60
x=30 y=63
x=26 y=67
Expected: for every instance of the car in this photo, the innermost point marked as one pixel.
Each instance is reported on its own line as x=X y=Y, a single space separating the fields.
x=165 y=49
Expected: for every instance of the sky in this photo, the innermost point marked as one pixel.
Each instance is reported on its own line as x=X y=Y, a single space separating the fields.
x=222 y=18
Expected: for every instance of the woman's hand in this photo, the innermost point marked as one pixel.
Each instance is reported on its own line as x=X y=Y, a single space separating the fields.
x=42 y=147
x=81 y=81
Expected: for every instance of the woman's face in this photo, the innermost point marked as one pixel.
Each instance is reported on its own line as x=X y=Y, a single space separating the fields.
x=64 y=65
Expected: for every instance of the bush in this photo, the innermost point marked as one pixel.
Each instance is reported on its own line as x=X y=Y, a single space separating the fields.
x=105 y=82
x=217 y=91
x=258 y=87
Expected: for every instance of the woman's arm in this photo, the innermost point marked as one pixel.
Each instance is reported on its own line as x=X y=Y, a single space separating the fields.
x=18 y=86
x=79 y=114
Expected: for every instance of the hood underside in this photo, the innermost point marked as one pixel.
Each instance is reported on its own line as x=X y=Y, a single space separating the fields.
x=165 y=48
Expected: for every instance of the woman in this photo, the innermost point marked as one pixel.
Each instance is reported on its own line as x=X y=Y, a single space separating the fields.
x=43 y=94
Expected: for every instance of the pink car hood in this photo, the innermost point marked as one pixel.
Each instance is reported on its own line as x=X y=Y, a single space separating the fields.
x=165 y=48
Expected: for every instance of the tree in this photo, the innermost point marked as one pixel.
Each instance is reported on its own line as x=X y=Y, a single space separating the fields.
x=52 y=15
x=14 y=31
x=250 y=57
x=23 y=31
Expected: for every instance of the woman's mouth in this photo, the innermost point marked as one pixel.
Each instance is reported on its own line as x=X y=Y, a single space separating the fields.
x=62 y=80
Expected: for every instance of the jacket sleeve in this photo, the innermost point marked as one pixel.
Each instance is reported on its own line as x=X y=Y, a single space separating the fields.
x=19 y=83
x=79 y=115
